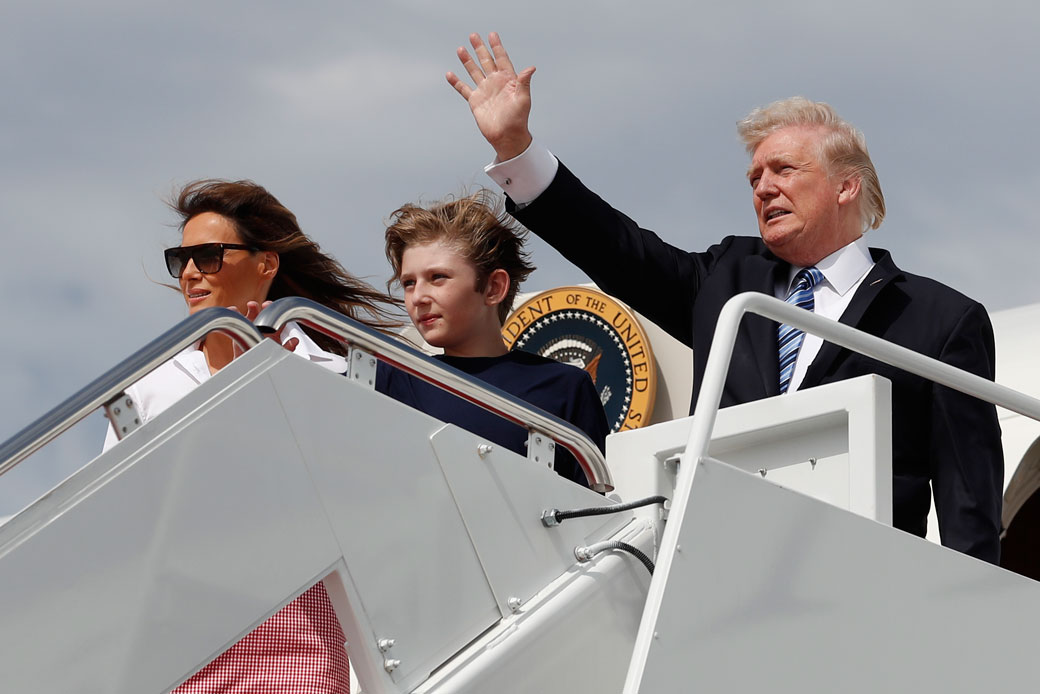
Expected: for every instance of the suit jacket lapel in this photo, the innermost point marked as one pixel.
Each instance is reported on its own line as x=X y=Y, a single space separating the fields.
x=761 y=275
x=878 y=277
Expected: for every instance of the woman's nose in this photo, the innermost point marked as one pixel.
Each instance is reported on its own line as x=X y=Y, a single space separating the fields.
x=190 y=270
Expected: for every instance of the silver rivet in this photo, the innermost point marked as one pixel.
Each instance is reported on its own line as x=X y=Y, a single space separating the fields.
x=390 y=664
x=514 y=604
x=116 y=410
x=385 y=644
x=483 y=449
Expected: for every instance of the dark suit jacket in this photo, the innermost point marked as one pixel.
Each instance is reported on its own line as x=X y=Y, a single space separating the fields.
x=939 y=436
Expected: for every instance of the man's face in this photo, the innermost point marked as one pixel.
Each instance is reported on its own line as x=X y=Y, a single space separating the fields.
x=798 y=203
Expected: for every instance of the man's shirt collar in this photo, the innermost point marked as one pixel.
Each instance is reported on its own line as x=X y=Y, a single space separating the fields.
x=843 y=268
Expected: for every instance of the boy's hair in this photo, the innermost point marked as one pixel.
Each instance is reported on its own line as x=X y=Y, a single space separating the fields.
x=474 y=225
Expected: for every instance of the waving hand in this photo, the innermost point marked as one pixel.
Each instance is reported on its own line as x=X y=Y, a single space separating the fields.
x=500 y=99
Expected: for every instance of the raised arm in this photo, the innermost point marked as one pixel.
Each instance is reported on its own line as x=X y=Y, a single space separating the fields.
x=500 y=99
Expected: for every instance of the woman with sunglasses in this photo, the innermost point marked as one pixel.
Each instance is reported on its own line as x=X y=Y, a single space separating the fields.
x=240 y=247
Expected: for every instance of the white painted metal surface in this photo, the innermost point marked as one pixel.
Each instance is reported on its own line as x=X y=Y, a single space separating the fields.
x=795 y=595
x=160 y=553
x=150 y=560
x=575 y=635
x=707 y=406
x=435 y=538
x=846 y=427
x=275 y=473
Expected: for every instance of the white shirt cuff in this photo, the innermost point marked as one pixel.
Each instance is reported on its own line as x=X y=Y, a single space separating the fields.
x=526 y=176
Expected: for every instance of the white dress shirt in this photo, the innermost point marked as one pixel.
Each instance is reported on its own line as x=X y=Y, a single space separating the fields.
x=843 y=271
x=185 y=371
x=526 y=176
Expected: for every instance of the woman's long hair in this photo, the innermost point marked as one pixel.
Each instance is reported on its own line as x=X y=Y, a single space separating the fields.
x=303 y=269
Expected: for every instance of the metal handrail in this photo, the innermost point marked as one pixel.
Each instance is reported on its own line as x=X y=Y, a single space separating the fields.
x=842 y=335
x=391 y=351
x=706 y=411
x=113 y=382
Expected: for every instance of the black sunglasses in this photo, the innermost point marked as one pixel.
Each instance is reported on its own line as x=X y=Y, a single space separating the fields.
x=208 y=257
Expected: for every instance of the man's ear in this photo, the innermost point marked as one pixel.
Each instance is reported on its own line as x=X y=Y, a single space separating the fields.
x=851 y=186
x=497 y=287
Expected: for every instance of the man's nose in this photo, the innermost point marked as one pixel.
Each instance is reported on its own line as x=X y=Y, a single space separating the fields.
x=766 y=185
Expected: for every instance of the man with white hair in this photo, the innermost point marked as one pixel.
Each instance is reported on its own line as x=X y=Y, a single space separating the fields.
x=815 y=193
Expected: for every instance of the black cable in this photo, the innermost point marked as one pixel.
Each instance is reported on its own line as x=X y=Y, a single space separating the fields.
x=560 y=516
x=635 y=552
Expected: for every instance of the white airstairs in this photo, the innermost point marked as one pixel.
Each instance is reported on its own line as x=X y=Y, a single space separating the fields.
x=776 y=566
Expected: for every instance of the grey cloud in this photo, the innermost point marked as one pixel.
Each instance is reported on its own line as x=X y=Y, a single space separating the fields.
x=341 y=110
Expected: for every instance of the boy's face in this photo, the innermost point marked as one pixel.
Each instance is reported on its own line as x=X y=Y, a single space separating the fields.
x=442 y=300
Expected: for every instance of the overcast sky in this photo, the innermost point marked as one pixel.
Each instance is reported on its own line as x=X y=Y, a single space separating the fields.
x=341 y=110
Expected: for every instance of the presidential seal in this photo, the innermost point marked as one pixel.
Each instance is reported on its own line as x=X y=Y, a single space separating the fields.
x=587 y=328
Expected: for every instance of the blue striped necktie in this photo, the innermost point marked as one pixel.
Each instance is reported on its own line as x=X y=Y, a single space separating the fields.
x=789 y=338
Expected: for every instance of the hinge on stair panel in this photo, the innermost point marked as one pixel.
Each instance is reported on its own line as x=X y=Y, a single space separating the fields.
x=671 y=465
x=541 y=449
x=361 y=367
x=122 y=412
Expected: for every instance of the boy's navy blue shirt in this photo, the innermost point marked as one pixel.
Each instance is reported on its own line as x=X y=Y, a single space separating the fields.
x=560 y=389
